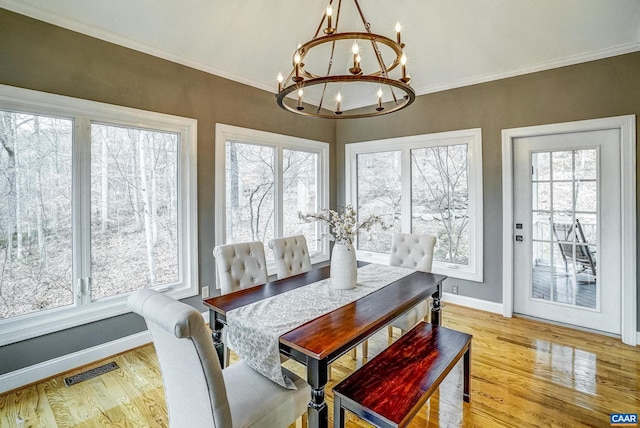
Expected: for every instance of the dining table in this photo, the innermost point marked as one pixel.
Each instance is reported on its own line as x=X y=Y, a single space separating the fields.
x=319 y=341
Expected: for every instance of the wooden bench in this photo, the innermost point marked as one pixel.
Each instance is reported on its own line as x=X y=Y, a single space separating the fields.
x=390 y=389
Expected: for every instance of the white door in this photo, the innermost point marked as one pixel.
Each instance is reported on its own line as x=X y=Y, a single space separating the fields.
x=567 y=255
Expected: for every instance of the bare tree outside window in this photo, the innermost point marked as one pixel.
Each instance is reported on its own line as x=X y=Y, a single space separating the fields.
x=251 y=180
x=91 y=208
x=300 y=194
x=440 y=199
x=425 y=184
x=35 y=213
x=379 y=182
x=250 y=192
x=134 y=197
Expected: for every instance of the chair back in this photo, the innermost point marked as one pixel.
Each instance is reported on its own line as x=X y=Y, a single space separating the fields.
x=291 y=255
x=193 y=383
x=240 y=265
x=412 y=251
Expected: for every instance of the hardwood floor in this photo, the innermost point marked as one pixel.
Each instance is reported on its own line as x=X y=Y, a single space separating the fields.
x=523 y=374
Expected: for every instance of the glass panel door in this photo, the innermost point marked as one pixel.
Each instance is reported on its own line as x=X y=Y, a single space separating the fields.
x=564 y=233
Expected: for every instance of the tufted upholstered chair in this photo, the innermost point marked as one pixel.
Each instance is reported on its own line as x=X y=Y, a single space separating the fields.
x=198 y=392
x=291 y=255
x=240 y=265
x=415 y=252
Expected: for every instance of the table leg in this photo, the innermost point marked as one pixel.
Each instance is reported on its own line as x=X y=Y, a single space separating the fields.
x=435 y=309
x=216 y=328
x=467 y=374
x=317 y=377
x=338 y=412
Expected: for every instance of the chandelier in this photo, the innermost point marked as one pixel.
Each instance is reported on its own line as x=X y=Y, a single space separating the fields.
x=354 y=63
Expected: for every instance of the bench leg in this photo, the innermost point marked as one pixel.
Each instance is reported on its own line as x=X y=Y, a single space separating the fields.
x=338 y=412
x=467 y=374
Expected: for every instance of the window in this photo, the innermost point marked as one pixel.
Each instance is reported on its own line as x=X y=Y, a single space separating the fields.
x=100 y=201
x=262 y=181
x=425 y=184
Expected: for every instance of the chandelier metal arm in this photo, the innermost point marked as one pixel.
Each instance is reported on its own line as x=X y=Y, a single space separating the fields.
x=383 y=81
x=305 y=48
x=383 y=69
x=324 y=89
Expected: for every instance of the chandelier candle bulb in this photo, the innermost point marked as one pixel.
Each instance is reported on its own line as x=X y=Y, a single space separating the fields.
x=398 y=29
x=280 y=79
x=355 y=49
x=300 y=93
x=338 y=99
x=296 y=60
x=380 y=108
x=329 y=29
x=403 y=63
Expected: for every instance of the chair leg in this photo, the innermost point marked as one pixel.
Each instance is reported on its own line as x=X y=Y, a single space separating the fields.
x=353 y=354
x=227 y=356
x=301 y=422
x=365 y=349
x=390 y=331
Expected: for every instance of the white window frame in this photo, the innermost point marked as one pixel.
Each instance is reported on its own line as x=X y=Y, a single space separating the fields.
x=473 y=139
x=278 y=142
x=84 y=113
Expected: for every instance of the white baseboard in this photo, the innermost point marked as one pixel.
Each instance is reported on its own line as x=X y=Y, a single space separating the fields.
x=46 y=369
x=472 y=302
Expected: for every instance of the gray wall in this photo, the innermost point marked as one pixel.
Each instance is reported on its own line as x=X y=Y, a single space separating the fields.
x=42 y=57
x=39 y=56
x=608 y=87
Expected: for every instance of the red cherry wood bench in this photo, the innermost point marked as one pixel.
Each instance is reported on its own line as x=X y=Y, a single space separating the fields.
x=390 y=389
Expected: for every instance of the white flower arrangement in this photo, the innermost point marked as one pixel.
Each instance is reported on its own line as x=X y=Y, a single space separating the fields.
x=343 y=227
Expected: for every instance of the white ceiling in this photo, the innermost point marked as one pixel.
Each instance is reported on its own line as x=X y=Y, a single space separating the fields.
x=450 y=43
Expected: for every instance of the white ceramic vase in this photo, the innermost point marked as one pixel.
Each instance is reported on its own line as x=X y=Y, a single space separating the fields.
x=344 y=270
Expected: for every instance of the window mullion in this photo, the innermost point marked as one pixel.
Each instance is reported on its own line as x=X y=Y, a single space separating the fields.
x=405 y=223
x=277 y=194
x=81 y=213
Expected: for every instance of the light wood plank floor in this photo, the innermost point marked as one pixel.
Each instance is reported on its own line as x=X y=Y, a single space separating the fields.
x=524 y=374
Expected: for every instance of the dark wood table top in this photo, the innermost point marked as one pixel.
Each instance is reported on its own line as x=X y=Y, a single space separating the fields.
x=333 y=334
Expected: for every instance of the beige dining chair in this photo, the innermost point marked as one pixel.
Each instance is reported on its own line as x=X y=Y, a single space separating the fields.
x=240 y=265
x=199 y=393
x=415 y=252
x=291 y=255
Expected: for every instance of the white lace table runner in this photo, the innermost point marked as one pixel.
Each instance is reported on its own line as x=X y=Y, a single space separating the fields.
x=254 y=330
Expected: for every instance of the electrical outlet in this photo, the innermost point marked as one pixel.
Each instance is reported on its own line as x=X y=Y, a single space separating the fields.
x=205 y=292
x=454 y=289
